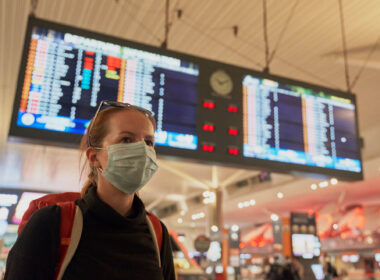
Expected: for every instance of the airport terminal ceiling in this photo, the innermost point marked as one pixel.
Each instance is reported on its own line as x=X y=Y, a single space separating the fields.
x=310 y=50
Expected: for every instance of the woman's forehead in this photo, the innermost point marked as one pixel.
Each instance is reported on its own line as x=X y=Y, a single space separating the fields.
x=130 y=120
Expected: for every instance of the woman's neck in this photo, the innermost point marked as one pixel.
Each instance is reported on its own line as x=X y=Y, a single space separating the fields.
x=118 y=200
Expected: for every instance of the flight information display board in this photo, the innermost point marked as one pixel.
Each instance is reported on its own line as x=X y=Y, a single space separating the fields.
x=68 y=75
x=297 y=125
x=206 y=111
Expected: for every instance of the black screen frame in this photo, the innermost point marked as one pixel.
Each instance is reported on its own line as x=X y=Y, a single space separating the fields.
x=206 y=66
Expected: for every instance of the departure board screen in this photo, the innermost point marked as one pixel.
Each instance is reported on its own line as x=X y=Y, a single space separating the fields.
x=206 y=111
x=297 y=125
x=68 y=75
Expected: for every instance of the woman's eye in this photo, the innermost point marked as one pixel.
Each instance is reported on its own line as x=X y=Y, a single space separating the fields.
x=149 y=142
x=126 y=140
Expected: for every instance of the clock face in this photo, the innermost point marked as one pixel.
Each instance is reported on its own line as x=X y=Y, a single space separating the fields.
x=221 y=82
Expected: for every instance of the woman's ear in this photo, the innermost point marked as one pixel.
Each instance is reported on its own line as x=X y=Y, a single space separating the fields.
x=91 y=155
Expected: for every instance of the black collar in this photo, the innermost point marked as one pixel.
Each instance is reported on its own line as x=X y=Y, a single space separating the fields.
x=91 y=203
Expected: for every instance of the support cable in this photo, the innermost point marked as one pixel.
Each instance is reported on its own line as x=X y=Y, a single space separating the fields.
x=258 y=64
x=291 y=64
x=347 y=74
x=33 y=7
x=226 y=46
x=370 y=53
x=265 y=27
x=283 y=31
x=164 y=44
x=175 y=6
x=140 y=23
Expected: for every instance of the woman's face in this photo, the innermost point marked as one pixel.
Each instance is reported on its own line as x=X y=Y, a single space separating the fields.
x=126 y=127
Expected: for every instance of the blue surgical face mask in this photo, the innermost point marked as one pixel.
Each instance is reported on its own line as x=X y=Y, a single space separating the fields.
x=130 y=166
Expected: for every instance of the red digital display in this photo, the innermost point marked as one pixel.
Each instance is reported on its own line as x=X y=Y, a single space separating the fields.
x=233 y=131
x=208 y=148
x=113 y=63
x=233 y=151
x=88 y=63
x=232 y=109
x=208 y=127
x=209 y=104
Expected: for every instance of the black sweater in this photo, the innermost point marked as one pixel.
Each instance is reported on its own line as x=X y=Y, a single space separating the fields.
x=111 y=246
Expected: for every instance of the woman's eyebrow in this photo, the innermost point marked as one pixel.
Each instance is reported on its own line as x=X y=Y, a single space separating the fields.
x=126 y=132
x=150 y=137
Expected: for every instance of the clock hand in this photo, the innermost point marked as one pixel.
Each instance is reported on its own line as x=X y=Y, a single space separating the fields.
x=221 y=82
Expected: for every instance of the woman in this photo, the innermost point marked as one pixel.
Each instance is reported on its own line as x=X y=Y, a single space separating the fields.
x=116 y=242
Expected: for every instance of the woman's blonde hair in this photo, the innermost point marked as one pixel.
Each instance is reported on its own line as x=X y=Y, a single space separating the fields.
x=99 y=130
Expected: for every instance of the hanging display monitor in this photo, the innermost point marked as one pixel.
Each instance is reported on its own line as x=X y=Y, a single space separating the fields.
x=298 y=125
x=206 y=111
x=67 y=75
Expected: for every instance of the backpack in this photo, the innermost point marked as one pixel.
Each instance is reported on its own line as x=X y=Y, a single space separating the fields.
x=71 y=226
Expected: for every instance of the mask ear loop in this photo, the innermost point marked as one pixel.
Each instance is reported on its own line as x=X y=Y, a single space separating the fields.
x=99 y=168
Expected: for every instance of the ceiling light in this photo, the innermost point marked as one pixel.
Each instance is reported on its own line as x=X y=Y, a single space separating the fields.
x=214 y=228
x=335 y=226
x=181 y=238
x=334 y=181
x=234 y=236
x=198 y=216
x=274 y=217
x=219 y=269
x=323 y=184
x=314 y=187
x=209 y=270
x=246 y=203
x=280 y=195
x=180 y=220
x=206 y=194
x=369 y=240
x=235 y=228
x=208 y=200
x=240 y=205
x=252 y=202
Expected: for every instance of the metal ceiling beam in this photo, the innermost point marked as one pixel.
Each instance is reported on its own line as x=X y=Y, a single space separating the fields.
x=232 y=178
x=214 y=177
x=196 y=182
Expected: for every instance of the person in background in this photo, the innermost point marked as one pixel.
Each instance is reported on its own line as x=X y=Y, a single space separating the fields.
x=330 y=271
x=293 y=270
x=369 y=268
x=297 y=269
x=288 y=273
x=116 y=242
x=276 y=270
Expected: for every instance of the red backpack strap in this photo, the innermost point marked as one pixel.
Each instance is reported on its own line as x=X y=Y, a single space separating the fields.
x=67 y=218
x=46 y=200
x=33 y=207
x=157 y=228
